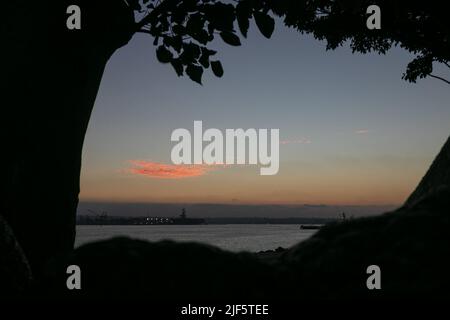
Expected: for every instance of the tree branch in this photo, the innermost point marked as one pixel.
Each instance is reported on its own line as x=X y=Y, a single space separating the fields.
x=155 y=12
x=439 y=78
x=143 y=31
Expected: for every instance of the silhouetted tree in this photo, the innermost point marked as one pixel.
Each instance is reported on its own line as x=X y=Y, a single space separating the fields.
x=50 y=78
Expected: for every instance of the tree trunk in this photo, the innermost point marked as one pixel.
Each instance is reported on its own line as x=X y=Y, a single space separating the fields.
x=51 y=76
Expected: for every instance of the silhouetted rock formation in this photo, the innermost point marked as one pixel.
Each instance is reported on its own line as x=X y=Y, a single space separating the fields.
x=15 y=274
x=436 y=180
x=410 y=246
x=168 y=271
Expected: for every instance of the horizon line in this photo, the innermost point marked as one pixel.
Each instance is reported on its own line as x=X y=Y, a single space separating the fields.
x=241 y=203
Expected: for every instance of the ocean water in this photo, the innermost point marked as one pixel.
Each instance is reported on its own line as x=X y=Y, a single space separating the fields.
x=233 y=237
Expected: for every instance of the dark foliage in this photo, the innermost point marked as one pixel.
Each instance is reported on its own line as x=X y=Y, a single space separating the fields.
x=186 y=27
x=182 y=30
x=422 y=28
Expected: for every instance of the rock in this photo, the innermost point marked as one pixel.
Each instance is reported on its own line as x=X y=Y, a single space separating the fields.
x=15 y=273
x=270 y=256
x=409 y=245
x=436 y=180
x=163 y=271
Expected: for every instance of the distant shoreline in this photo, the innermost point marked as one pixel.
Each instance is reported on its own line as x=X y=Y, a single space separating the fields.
x=234 y=210
x=140 y=221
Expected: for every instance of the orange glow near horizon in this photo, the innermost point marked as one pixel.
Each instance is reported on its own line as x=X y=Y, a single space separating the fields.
x=149 y=181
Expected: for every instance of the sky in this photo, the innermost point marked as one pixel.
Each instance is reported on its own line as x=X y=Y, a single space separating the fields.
x=352 y=131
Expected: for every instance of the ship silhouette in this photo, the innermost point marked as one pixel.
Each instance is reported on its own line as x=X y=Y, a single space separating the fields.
x=184 y=220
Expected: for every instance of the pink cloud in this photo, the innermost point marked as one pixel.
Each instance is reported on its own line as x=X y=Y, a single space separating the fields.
x=168 y=171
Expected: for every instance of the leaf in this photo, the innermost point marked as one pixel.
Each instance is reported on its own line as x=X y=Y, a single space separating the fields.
x=178 y=66
x=179 y=29
x=243 y=15
x=220 y=16
x=194 y=48
x=265 y=23
x=217 y=69
x=191 y=52
x=195 y=73
x=202 y=36
x=175 y=42
x=163 y=55
x=204 y=60
x=230 y=38
x=209 y=52
x=194 y=24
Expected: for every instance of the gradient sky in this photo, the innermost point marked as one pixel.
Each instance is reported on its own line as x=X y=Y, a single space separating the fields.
x=355 y=133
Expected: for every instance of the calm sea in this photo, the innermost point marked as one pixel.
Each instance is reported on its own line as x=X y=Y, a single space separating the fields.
x=233 y=237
